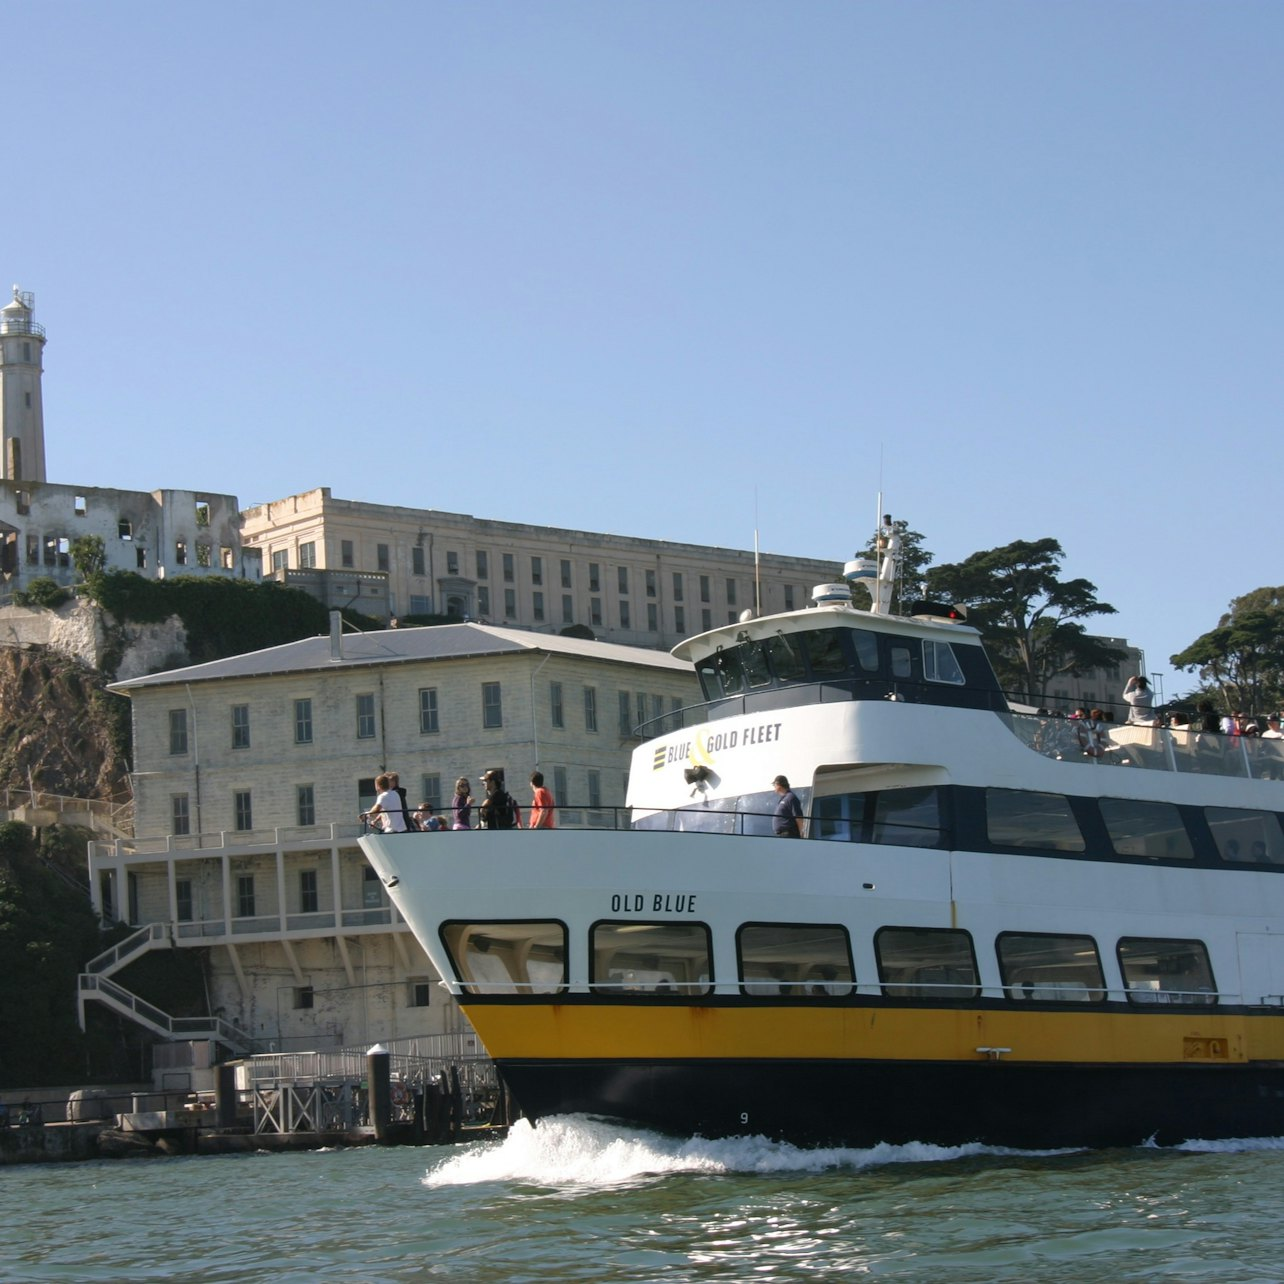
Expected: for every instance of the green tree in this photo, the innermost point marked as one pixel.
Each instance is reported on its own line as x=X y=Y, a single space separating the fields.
x=913 y=571
x=42 y=591
x=88 y=556
x=1028 y=615
x=1241 y=661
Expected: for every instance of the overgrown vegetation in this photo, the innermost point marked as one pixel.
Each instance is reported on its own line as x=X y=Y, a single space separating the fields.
x=42 y=591
x=222 y=616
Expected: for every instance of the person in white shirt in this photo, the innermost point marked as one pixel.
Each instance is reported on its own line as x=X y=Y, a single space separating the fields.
x=1141 y=699
x=389 y=812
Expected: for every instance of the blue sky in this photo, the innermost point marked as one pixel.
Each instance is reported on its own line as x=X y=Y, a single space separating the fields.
x=654 y=267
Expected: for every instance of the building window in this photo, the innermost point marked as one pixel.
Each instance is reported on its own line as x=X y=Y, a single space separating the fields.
x=452 y=563
x=309 y=900
x=555 y=704
x=383 y=560
x=428 y=724
x=430 y=790
x=371 y=889
x=79 y=506
x=305 y=797
x=590 y=708
x=677 y=586
x=33 y=550
x=559 y=787
x=566 y=573
x=281 y=560
x=510 y=604
x=595 y=611
x=420 y=605
x=680 y=619
x=492 y=708
x=789 y=597
x=365 y=717
x=595 y=581
x=420 y=991
x=626 y=714
x=417 y=559
x=347 y=554
x=483 y=600
x=204 y=554
x=537 y=606
x=537 y=570
x=623 y=574
x=706 y=619
x=180 y=816
x=240 y=726
x=183 y=899
x=225 y=557
x=483 y=565
x=140 y=558
x=650 y=583
x=245 y=896
x=303 y=722
x=178 y=731
x=308 y=555
x=624 y=615
x=594 y=788
x=731 y=592
x=202 y=513
x=125 y=528
x=508 y=568
x=180 y=552
x=244 y=810
x=704 y=588
x=652 y=617
x=568 y=609
x=304 y=996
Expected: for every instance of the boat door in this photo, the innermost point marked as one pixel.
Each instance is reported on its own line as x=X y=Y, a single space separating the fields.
x=1261 y=967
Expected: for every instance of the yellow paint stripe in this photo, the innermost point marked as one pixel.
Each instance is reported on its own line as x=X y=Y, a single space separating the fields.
x=606 y=1031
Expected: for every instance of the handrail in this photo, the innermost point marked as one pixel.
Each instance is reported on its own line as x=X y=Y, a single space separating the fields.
x=111 y=960
x=162 y=1022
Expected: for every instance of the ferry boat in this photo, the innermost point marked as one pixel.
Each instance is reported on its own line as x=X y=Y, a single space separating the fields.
x=990 y=931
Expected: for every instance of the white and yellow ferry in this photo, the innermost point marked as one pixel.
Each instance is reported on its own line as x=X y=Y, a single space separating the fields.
x=985 y=935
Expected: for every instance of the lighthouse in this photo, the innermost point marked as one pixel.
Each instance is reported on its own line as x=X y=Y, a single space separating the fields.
x=22 y=417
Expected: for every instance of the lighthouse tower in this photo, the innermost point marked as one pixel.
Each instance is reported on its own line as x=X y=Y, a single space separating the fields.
x=22 y=416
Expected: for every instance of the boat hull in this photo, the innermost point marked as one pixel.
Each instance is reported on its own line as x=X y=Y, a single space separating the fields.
x=862 y=1104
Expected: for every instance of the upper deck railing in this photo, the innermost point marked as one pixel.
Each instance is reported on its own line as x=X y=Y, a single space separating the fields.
x=1201 y=753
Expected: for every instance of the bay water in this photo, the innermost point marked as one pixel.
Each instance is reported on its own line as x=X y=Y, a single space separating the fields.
x=578 y=1199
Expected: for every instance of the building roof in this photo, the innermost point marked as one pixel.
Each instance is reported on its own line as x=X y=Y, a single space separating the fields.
x=398 y=646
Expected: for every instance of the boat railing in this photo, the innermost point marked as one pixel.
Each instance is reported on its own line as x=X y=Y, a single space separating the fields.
x=1153 y=748
x=756 y=987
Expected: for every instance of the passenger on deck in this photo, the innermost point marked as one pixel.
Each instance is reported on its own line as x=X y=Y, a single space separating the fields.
x=1141 y=701
x=388 y=813
x=1273 y=731
x=462 y=807
x=1208 y=719
x=788 y=820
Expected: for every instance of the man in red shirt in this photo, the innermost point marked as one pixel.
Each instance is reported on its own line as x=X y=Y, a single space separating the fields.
x=542 y=804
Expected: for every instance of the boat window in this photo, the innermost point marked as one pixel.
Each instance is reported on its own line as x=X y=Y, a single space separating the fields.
x=940 y=664
x=1146 y=829
x=651 y=958
x=1050 y=969
x=865 y=644
x=780 y=958
x=926 y=963
x=1166 y=971
x=839 y=816
x=758 y=811
x=786 y=658
x=901 y=666
x=727 y=670
x=1246 y=836
x=753 y=663
x=908 y=818
x=718 y=816
x=826 y=652
x=1018 y=818
x=526 y=957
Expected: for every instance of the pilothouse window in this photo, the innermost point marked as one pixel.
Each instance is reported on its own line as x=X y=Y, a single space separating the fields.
x=940 y=664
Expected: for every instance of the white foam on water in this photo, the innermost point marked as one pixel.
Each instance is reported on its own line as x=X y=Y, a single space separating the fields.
x=575 y=1150
x=1233 y=1145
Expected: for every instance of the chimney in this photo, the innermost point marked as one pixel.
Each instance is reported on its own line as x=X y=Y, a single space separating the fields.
x=336 y=637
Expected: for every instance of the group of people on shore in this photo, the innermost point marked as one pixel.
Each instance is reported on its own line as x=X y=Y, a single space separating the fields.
x=392 y=813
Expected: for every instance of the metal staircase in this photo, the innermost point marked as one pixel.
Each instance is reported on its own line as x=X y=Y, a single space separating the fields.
x=95 y=985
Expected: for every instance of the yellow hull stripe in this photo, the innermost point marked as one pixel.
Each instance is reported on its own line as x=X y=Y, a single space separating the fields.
x=626 y=1032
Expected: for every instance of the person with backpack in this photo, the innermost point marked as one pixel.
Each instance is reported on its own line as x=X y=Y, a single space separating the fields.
x=499 y=811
